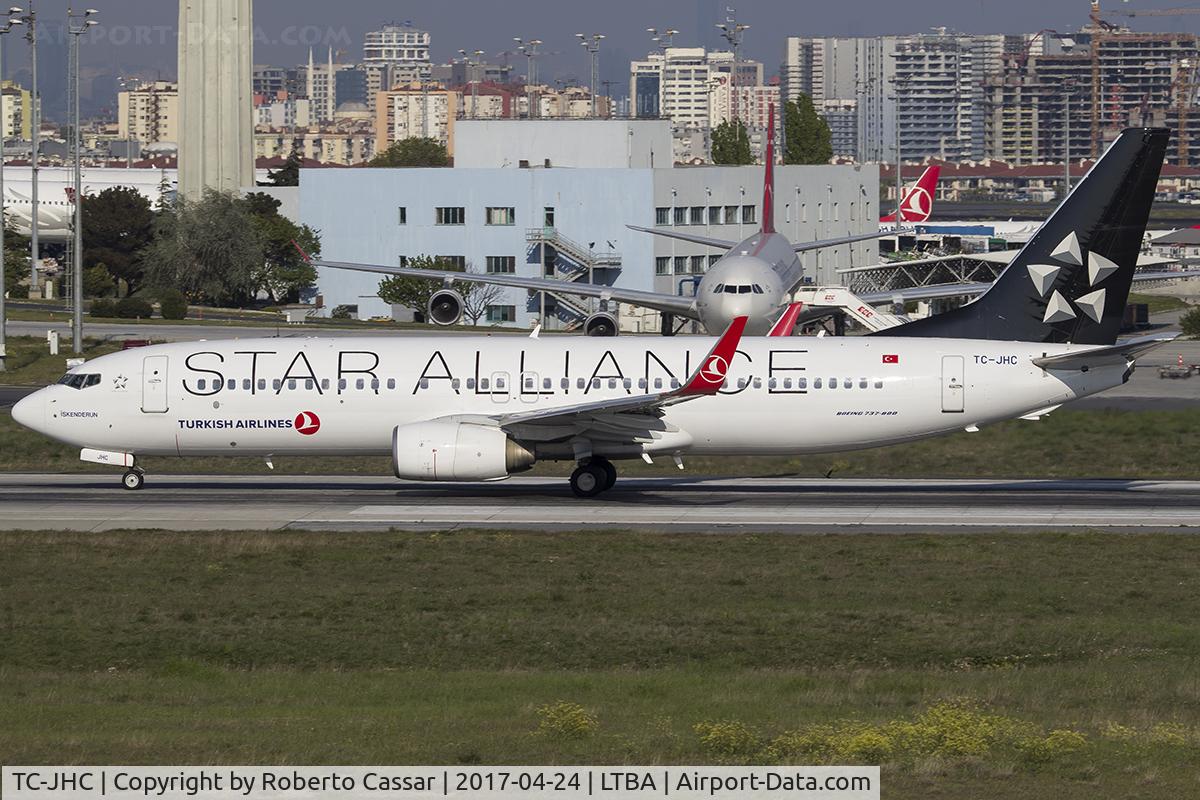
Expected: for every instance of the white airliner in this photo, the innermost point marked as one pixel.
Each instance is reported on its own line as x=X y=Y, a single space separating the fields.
x=472 y=408
x=753 y=279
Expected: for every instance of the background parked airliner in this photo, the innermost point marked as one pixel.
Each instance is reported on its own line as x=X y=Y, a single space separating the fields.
x=468 y=408
x=753 y=279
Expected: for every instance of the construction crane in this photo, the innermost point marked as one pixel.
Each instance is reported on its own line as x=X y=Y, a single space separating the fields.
x=1103 y=29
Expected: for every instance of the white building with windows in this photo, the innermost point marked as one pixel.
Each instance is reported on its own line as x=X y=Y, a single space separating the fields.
x=570 y=223
x=401 y=47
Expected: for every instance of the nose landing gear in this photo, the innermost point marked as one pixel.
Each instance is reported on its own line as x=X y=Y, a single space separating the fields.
x=593 y=476
x=133 y=479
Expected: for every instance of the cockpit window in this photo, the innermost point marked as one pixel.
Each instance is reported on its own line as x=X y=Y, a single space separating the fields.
x=743 y=289
x=79 y=380
x=730 y=289
x=757 y=289
x=717 y=289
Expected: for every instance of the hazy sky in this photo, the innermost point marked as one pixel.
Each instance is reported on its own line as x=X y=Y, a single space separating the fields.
x=139 y=35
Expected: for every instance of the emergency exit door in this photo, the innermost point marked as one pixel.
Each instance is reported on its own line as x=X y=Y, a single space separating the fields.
x=154 y=384
x=952 y=384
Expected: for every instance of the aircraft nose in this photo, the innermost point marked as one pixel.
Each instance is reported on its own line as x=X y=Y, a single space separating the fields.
x=29 y=411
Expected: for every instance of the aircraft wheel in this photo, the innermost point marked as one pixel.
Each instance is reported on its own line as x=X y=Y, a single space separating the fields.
x=588 y=481
x=610 y=472
x=133 y=479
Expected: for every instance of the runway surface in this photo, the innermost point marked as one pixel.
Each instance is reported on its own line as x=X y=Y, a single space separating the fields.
x=665 y=505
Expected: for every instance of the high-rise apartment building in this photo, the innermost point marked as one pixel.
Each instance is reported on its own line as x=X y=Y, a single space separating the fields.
x=926 y=86
x=149 y=113
x=401 y=47
x=16 y=118
x=416 y=111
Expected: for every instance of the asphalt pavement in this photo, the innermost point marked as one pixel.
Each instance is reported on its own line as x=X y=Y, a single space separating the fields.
x=661 y=505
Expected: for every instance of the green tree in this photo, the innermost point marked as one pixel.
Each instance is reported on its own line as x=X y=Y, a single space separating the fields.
x=210 y=249
x=117 y=225
x=731 y=144
x=414 y=293
x=289 y=173
x=98 y=282
x=1190 y=322
x=807 y=139
x=412 y=152
x=16 y=254
x=284 y=272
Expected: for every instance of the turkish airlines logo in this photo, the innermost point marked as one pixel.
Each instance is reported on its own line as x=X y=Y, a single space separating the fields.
x=891 y=358
x=307 y=423
x=918 y=204
x=714 y=371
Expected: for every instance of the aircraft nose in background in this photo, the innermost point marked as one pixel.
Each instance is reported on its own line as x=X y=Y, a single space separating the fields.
x=29 y=412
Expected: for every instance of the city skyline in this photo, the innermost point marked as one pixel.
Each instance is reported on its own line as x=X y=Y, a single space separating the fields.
x=137 y=36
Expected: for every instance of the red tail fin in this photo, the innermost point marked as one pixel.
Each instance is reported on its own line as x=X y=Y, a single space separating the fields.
x=768 y=203
x=918 y=201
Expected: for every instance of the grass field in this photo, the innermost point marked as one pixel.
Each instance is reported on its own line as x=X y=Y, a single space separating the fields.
x=1159 y=303
x=980 y=665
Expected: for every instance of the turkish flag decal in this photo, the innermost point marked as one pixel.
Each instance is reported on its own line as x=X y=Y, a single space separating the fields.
x=891 y=358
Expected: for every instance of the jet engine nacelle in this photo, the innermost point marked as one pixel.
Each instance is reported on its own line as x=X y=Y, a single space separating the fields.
x=445 y=307
x=601 y=323
x=455 y=451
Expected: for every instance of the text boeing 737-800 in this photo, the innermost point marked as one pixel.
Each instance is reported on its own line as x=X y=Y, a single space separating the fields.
x=463 y=408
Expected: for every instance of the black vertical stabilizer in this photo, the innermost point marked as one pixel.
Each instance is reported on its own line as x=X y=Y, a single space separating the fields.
x=1070 y=282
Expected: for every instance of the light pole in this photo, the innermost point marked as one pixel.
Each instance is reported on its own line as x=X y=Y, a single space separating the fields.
x=474 y=83
x=77 y=25
x=1068 y=88
x=3 y=221
x=899 y=83
x=30 y=20
x=592 y=45
x=127 y=82
x=530 y=50
x=664 y=38
x=732 y=32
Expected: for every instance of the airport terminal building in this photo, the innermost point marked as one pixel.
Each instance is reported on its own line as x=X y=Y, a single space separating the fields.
x=537 y=216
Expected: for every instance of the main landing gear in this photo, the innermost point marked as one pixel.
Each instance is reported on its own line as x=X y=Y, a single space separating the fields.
x=133 y=479
x=593 y=476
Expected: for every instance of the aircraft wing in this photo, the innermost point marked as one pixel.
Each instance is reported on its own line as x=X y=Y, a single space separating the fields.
x=670 y=303
x=1113 y=355
x=724 y=244
x=817 y=244
x=635 y=417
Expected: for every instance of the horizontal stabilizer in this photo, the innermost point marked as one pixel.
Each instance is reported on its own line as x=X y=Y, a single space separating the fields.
x=1117 y=354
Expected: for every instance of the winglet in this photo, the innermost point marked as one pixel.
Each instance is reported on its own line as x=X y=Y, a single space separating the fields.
x=305 y=255
x=787 y=321
x=709 y=376
x=768 y=203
